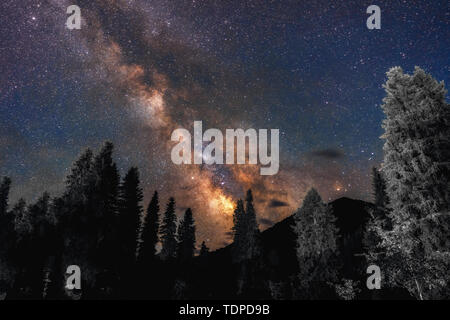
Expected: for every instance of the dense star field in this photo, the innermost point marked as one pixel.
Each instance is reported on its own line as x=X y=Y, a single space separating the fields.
x=137 y=70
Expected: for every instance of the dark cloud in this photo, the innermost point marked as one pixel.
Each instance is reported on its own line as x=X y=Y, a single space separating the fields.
x=274 y=203
x=329 y=153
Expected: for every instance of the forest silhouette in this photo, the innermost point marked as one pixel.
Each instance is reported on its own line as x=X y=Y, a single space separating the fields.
x=99 y=223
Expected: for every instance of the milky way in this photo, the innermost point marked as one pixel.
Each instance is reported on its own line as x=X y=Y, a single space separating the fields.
x=137 y=70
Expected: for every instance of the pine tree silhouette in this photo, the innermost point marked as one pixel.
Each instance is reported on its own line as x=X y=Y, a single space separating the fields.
x=247 y=249
x=168 y=232
x=130 y=214
x=186 y=237
x=238 y=230
x=252 y=230
x=80 y=182
x=77 y=220
x=106 y=208
x=147 y=250
x=245 y=230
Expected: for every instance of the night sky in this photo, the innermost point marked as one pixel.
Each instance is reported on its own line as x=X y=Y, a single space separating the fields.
x=137 y=70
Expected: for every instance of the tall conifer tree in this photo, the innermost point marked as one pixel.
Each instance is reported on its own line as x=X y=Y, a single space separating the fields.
x=130 y=213
x=417 y=170
x=150 y=230
x=186 y=237
x=168 y=232
x=106 y=205
x=246 y=242
x=317 y=246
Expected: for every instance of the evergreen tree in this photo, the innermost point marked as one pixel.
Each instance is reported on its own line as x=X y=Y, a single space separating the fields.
x=107 y=182
x=130 y=213
x=317 y=247
x=252 y=230
x=238 y=232
x=204 y=250
x=77 y=223
x=186 y=237
x=168 y=232
x=88 y=214
x=247 y=249
x=80 y=182
x=246 y=243
x=150 y=229
x=129 y=222
x=105 y=204
x=417 y=170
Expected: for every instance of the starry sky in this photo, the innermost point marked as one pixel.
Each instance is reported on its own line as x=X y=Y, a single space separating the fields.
x=138 y=69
